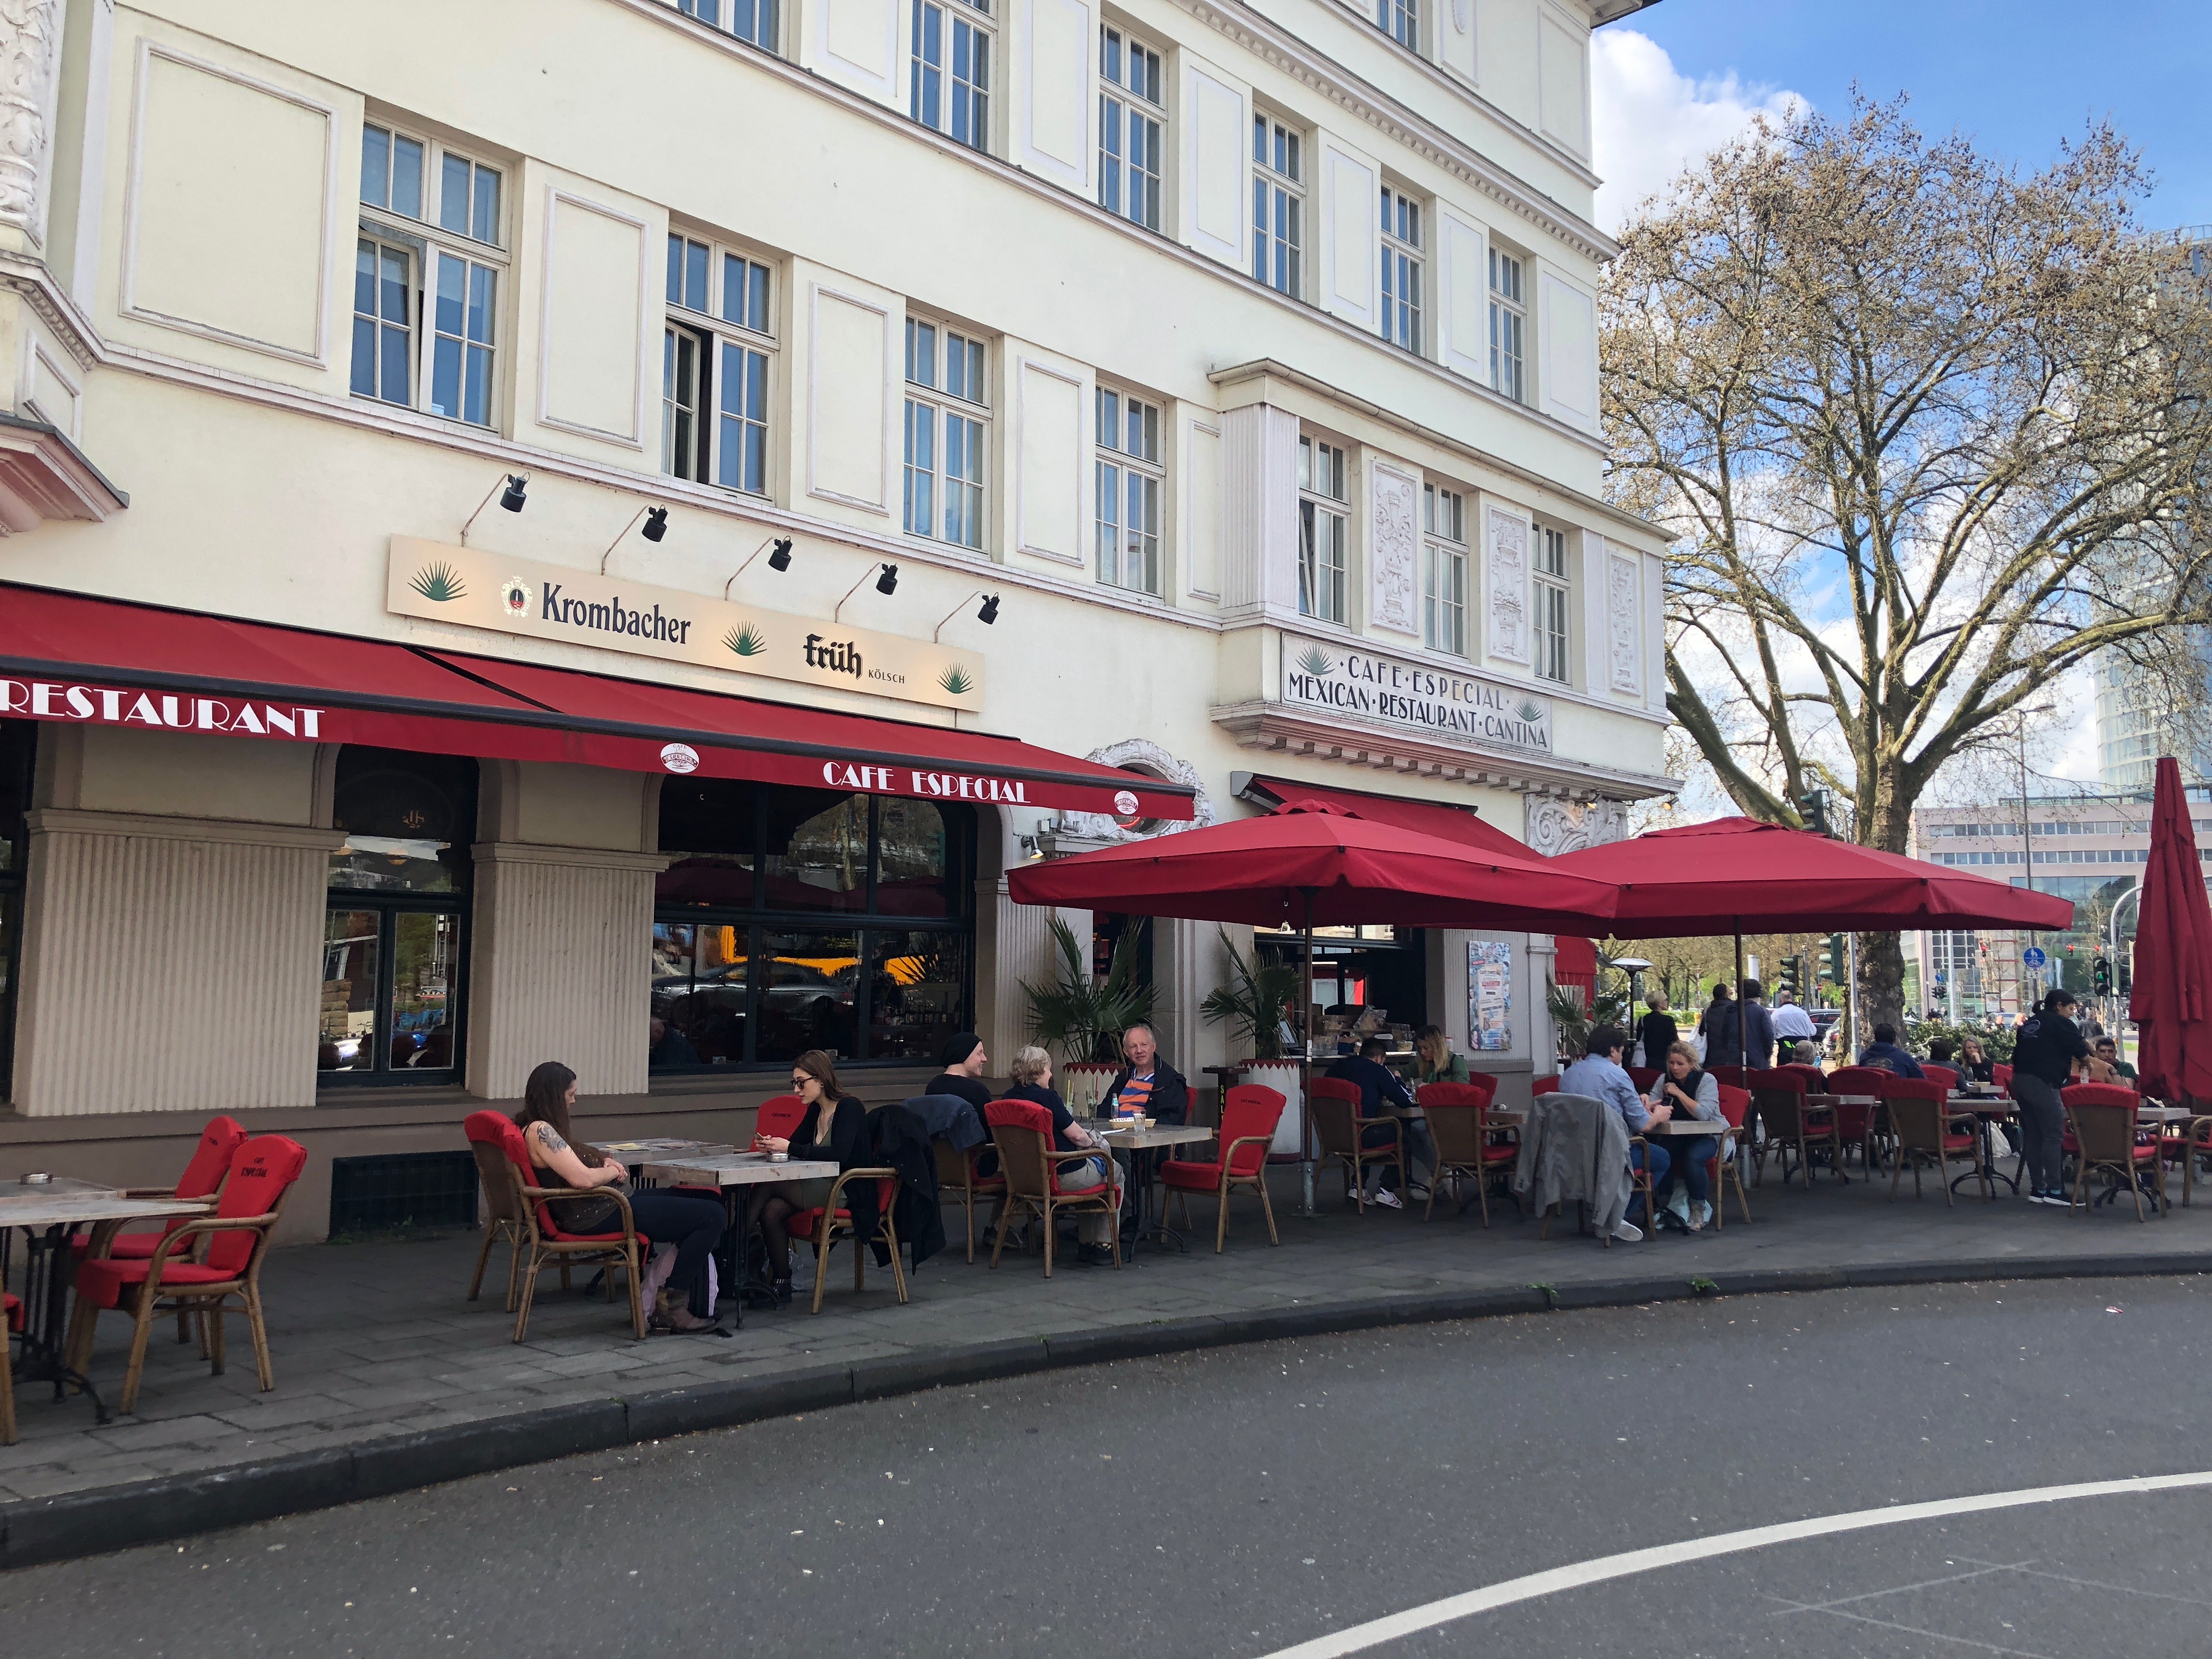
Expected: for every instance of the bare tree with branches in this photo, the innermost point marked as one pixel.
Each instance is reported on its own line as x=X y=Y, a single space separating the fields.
x=1928 y=434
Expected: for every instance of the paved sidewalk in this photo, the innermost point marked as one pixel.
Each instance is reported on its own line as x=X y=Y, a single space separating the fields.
x=375 y=1341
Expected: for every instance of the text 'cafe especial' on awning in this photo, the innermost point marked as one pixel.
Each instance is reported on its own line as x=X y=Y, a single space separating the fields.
x=427 y=869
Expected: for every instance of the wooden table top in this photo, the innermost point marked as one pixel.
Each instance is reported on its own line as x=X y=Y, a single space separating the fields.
x=1160 y=1134
x=1691 y=1126
x=737 y=1169
x=636 y=1152
x=55 y=1187
x=70 y=1209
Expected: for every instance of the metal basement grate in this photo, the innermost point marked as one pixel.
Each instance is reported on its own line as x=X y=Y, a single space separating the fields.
x=403 y=1190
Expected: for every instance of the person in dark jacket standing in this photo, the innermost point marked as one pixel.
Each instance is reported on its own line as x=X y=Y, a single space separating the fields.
x=1656 y=1030
x=1747 y=1018
x=2043 y=1062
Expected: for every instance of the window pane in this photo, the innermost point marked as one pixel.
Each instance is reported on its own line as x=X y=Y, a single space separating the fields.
x=407 y=821
x=453 y=195
x=921 y=467
x=709 y=826
x=376 y=167
x=676 y=270
x=1109 y=495
x=745 y=293
x=699 y=995
x=485 y=227
x=425 y=953
x=916 y=873
x=922 y=353
x=347 y=1039
x=695 y=276
x=807 y=1001
x=744 y=419
x=917 y=993
x=407 y=177
x=817 y=856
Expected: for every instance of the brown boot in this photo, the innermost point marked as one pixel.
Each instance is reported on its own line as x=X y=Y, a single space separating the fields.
x=671 y=1313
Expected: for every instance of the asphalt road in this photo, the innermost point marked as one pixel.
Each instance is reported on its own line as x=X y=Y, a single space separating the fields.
x=1241 y=1501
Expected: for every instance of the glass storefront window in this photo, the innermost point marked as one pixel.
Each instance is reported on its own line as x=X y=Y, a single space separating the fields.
x=394 y=941
x=18 y=743
x=808 y=994
x=918 y=993
x=764 y=945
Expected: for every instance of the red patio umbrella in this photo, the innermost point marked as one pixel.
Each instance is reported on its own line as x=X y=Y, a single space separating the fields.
x=1743 y=876
x=2171 y=1000
x=1310 y=863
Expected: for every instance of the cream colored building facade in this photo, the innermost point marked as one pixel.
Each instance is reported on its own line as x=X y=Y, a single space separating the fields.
x=1245 y=353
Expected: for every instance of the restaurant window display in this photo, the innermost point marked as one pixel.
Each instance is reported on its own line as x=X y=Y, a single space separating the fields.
x=797 y=919
x=1367 y=980
x=394 y=933
x=18 y=743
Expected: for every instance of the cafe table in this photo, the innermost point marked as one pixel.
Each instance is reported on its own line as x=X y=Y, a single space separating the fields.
x=49 y=1212
x=1991 y=1108
x=1138 y=1142
x=737 y=1174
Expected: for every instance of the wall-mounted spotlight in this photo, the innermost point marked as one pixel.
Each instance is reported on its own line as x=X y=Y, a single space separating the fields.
x=656 y=526
x=987 y=614
x=887 y=582
x=778 y=560
x=511 y=498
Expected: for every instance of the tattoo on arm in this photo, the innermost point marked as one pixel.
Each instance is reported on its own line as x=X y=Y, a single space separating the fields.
x=553 y=1141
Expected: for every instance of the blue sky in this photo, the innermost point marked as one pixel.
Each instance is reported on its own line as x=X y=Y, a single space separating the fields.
x=2017 y=76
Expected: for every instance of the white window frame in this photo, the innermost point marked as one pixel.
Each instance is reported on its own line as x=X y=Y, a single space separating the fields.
x=1278 y=202
x=760 y=22
x=1324 y=516
x=1553 y=591
x=436 y=254
x=1401 y=21
x=745 y=344
x=1131 y=488
x=1445 y=566
x=951 y=16
x=1509 y=324
x=929 y=505
x=1404 y=275
x=1133 y=126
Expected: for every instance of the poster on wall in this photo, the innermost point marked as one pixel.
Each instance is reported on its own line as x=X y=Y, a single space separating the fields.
x=1489 y=995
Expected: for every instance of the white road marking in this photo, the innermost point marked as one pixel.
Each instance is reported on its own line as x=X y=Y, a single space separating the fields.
x=1376 y=1631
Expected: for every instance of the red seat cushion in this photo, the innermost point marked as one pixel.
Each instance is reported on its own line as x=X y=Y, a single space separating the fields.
x=1092 y=1191
x=1500 y=1154
x=800 y=1222
x=102 y=1282
x=1960 y=1143
x=126 y=1247
x=1191 y=1177
x=13 y=1308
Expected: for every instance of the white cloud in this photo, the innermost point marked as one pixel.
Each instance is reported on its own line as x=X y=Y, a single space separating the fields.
x=1650 y=120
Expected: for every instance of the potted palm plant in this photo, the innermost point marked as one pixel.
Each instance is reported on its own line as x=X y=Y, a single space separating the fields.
x=1081 y=1016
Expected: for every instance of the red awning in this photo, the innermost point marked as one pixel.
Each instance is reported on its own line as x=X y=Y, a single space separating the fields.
x=69 y=658
x=1575 y=960
x=1425 y=817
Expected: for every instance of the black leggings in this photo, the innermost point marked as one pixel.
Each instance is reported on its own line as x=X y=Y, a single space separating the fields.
x=694 y=1226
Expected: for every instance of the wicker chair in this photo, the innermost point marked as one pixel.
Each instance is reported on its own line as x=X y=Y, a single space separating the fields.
x=545 y=1245
x=1022 y=1132
x=957 y=1175
x=1736 y=1106
x=11 y=1323
x=503 y=1205
x=1466 y=1142
x=1249 y=1113
x=833 y=1224
x=1864 y=1127
x=1925 y=1127
x=262 y=1172
x=1788 y=1122
x=2101 y=1119
x=1338 y=1131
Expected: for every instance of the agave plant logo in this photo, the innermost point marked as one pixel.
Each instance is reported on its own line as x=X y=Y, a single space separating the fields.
x=1314 y=660
x=746 y=641
x=1530 y=712
x=956 y=681
x=439 y=582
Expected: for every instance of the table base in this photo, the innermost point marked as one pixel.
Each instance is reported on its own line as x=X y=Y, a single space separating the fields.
x=46 y=1302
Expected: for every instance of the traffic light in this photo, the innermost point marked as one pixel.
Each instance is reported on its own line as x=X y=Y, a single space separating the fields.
x=1793 y=974
x=1832 y=960
x=2100 y=972
x=1813 y=810
x=2127 y=977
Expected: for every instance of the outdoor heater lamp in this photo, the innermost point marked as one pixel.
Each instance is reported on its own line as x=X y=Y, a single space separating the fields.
x=778 y=560
x=511 y=498
x=987 y=614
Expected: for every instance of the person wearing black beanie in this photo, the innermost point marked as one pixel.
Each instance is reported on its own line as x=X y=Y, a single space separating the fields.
x=963 y=1060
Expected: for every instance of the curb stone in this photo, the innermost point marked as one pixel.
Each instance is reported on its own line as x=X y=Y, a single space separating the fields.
x=76 y=1524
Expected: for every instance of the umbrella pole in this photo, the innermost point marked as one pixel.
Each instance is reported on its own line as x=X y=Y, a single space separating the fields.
x=1743 y=1014
x=1305 y=1074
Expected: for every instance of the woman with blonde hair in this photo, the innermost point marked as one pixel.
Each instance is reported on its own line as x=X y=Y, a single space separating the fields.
x=835 y=1128
x=1032 y=1074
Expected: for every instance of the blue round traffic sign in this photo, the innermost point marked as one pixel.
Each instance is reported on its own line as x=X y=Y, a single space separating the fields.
x=2032 y=956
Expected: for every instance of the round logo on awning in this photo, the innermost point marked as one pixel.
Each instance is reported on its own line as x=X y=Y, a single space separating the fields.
x=679 y=757
x=1125 y=804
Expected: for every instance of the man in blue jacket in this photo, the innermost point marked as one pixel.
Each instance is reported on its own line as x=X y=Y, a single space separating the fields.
x=1382 y=1094
x=1884 y=1052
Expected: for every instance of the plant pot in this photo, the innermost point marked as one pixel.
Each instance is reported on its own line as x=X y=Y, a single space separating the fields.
x=1282 y=1076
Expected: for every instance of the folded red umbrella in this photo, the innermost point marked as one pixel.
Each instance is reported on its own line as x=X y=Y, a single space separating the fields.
x=1741 y=875
x=2171 y=1001
x=1308 y=861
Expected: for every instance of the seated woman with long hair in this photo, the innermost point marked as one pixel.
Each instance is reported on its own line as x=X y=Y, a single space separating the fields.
x=834 y=1129
x=693 y=1225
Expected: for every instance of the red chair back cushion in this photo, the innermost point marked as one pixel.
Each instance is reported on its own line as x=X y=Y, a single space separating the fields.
x=1645 y=1078
x=1794 y=1079
x=1911 y=1088
x=2001 y=1076
x=1732 y=1075
x=2099 y=1094
x=1943 y=1074
x=1735 y=1102
x=260 y=1170
x=1458 y=1094
x=1860 y=1079
x=781 y=1115
x=210 y=1160
x=1336 y=1088
x=1249 y=1109
x=1020 y=1115
x=1544 y=1085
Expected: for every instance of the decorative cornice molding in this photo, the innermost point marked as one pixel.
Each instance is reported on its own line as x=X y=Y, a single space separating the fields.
x=1276 y=45
x=60 y=313
x=147 y=826
x=1275 y=728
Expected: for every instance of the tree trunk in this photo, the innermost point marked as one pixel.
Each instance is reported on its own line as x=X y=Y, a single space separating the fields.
x=1881 y=956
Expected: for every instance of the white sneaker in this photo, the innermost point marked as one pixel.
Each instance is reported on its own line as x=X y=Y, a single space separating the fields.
x=1387 y=1199
x=1629 y=1233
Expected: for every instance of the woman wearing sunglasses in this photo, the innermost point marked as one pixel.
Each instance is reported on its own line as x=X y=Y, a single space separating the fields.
x=834 y=1129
